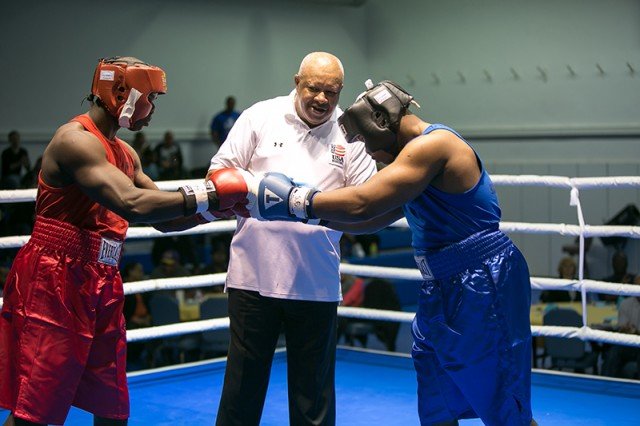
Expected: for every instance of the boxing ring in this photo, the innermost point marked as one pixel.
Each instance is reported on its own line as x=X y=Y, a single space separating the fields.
x=376 y=387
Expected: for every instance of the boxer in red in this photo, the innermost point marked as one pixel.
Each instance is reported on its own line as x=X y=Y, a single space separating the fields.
x=62 y=333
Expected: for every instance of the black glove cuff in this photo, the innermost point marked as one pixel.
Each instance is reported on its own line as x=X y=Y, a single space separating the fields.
x=309 y=206
x=189 y=203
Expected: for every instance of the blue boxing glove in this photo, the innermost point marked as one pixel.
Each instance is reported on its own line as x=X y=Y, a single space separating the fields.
x=279 y=198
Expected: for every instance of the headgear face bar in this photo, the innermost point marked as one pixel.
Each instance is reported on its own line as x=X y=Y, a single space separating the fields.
x=374 y=118
x=123 y=86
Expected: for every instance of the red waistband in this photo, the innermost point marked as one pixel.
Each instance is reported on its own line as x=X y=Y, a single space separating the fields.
x=83 y=244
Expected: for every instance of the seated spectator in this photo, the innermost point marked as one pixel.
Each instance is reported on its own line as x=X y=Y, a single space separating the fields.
x=619 y=264
x=353 y=296
x=352 y=290
x=375 y=294
x=171 y=267
x=15 y=162
x=20 y=217
x=219 y=263
x=30 y=179
x=359 y=245
x=618 y=356
x=169 y=158
x=381 y=294
x=4 y=272
x=136 y=315
x=135 y=306
x=147 y=156
x=567 y=269
x=185 y=245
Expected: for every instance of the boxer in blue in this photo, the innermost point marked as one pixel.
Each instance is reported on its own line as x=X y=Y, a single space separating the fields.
x=472 y=336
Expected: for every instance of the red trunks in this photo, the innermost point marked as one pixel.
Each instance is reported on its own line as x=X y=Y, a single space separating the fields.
x=62 y=332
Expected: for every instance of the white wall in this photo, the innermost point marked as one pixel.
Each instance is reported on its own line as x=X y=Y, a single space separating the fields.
x=413 y=40
x=581 y=125
x=209 y=49
x=456 y=58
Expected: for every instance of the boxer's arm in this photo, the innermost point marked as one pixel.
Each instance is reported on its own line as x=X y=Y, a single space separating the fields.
x=141 y=180
x=76 y=156
x=369 y=226
x=277 y=197
x=407 y=177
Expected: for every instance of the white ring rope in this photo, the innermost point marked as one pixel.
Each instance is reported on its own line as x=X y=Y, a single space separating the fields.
x=582 y=230
x=27 y=195
x=136 y=232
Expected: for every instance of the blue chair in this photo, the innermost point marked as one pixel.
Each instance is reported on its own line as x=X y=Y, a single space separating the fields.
x=566 y=353
x=165 y=310
x=215 y=342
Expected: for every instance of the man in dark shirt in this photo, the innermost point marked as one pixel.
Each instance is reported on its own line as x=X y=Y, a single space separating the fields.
x=14 y=159
x=224 y=121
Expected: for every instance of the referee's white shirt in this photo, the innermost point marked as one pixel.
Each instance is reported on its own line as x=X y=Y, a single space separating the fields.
x=290 y=260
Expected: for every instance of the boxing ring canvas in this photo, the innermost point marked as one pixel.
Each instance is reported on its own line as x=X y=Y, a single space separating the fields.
x=373 y=388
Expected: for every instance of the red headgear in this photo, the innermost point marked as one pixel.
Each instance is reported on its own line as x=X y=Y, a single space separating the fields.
x=124 y=84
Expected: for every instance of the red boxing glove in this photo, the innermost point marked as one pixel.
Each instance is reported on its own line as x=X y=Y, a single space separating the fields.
x=231 y=188
x=241 y=209
x=210 y=216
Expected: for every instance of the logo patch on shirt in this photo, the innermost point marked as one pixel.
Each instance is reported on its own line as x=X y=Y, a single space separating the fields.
x=337 y=154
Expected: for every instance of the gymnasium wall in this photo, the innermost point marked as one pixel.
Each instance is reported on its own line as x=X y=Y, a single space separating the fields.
x=547 y=87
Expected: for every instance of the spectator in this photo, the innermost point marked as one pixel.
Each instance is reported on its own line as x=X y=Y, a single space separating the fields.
x=18 y=218
x=353 y=296
x=380 y=293
x=171 y=267
x=15 y=162
x=359 y=245
x=619 y=264
x=4 y=271
x=184 y=245
x=619 y=356
x=136 y=315
x=352 y=290
x=169 y=158
x=30 y=179
x=567 y=269
x=219 y=263
x=147 y=155
x=222 y=122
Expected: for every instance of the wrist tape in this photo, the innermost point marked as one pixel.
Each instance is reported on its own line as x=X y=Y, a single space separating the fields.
x=196 y=197
x=299 y=201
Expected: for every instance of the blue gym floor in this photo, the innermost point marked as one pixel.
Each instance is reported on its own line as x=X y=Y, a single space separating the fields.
x=372 y=389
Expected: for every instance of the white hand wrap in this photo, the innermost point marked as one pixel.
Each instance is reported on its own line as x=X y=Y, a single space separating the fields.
x=198 y=197
x=202 y=196
x=299 y=201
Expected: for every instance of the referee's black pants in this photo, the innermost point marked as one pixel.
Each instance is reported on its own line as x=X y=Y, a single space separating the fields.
x=310 y=330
